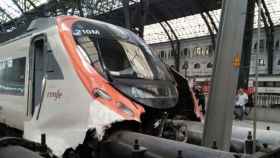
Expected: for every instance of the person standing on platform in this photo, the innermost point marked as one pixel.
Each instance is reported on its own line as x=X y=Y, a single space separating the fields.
x=241 y=100
x=201 y=100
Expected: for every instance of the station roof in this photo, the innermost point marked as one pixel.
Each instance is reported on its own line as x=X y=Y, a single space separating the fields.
x=161 y=10
x=187 y=22
x=194 y=26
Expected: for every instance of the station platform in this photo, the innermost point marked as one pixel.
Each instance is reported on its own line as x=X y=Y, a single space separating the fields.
x=262 y=125
x=266 y=114
x=240 y=130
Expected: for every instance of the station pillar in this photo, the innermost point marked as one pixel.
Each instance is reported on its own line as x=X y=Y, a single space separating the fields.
x=219 y=115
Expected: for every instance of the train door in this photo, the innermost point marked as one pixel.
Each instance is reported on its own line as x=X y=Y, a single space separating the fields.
x=37 y=75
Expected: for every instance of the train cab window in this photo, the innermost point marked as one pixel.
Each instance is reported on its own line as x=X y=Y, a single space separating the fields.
x=114 y=55
x=128 y=62
x=89 y=52
x=12 y=76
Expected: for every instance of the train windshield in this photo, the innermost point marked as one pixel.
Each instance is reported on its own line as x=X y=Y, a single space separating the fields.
x=120 y=55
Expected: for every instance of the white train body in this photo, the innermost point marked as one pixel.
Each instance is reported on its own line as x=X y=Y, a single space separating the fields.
x=48 y=86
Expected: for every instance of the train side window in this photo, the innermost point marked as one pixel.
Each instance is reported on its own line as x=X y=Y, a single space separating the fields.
x=12 y=76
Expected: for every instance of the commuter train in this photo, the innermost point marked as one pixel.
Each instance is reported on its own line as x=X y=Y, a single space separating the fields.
x=66 y=75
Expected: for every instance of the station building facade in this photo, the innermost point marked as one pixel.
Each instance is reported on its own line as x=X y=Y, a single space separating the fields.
x=197 y=56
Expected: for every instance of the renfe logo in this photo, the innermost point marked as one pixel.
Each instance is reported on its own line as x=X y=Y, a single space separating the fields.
x=55 y=94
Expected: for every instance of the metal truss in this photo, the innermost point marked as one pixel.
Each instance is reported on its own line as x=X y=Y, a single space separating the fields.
x=84 y=8
x=4 y=16
x=26 y=5
x=187 y=27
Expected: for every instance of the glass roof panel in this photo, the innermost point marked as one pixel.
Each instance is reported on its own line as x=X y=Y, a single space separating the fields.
x=10 y=8
x=194 y=26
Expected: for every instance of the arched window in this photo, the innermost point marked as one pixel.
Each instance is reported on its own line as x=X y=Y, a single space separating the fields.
x=261 y=62
x=186 y=51
x=185 y=66
x=278 y=63
x=277 y=45
x=207 y=51
x=181 y=53
x=172 y=53
x=197 y=66
x=262 y=45
x=211 y=51
x=256 y=46
x=162 y=54
x=199 y=51
x=209 y=65
x=195 y=51
x=202 y=53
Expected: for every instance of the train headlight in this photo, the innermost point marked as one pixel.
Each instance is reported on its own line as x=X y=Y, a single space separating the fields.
x=98 y=93
x=125 y=109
